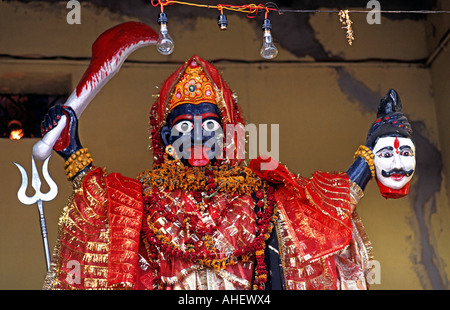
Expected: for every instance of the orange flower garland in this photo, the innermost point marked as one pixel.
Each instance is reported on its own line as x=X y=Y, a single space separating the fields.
x=206 y=180
x=173 y=175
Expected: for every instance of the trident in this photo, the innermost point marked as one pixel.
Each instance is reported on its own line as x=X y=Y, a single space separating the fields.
x=39 y=197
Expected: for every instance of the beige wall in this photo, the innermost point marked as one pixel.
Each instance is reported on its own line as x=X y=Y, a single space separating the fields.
x=324 y=111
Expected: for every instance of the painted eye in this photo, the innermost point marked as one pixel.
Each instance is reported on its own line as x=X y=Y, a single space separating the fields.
x=406 y=153
x=184 y=126
x=210 y=125
x=385 y=155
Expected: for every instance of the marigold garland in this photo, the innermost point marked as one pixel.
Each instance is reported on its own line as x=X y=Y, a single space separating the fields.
x=366 y=153
x=205 y=180
x=173 y=175
x=345 y=20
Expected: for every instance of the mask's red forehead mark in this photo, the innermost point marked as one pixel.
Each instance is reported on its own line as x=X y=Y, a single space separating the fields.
x=396 y=145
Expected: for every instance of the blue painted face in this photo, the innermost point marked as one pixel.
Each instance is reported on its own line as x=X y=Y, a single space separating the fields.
x=194 y=132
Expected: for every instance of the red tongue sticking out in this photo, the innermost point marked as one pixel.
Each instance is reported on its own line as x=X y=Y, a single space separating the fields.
x=198 y=156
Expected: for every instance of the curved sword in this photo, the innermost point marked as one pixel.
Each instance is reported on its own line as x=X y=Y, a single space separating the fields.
x=109 y=52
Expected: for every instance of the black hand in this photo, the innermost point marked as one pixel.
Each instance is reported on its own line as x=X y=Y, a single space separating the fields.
x=69 y=142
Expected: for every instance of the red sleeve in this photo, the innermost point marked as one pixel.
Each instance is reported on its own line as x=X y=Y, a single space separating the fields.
x=98 y=235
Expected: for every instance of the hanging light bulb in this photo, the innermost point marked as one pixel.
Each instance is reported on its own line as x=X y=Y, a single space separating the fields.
x=222 y=22
x=165 y=43
x=268 y=49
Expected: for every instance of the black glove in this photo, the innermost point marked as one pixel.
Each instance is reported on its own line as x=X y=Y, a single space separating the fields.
x=68 y=143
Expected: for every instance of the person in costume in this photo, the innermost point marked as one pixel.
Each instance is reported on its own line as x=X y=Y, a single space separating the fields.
x=208 y=222
x=200 y=219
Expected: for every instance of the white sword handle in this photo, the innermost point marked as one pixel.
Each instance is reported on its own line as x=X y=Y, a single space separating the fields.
x=44 y=147
x=130 y=36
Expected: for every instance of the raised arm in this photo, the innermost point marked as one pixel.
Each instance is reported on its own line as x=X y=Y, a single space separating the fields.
x=68 y=145
x=109 y=52
x=388 y=154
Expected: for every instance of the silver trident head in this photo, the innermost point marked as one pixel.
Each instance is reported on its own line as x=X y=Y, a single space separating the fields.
x=38 y=197
x=36 y=184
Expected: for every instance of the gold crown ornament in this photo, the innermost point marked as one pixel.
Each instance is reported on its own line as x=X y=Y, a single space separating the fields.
x=194 y=87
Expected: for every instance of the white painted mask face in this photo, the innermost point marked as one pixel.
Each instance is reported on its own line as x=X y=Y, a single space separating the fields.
x=394 y=161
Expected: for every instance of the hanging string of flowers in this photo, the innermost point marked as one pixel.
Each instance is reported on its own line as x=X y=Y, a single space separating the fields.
x=345 y=20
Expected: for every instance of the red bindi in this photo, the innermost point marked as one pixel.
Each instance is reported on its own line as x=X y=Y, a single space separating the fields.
x=396 y=145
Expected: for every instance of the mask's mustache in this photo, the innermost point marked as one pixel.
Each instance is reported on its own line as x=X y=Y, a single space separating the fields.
x=387 y=174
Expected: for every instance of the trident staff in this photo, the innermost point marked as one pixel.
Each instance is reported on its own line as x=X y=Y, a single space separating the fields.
x=38 y=197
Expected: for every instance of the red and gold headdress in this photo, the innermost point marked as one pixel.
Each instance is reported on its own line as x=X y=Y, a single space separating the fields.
x=194 y=87
x=196 y=81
